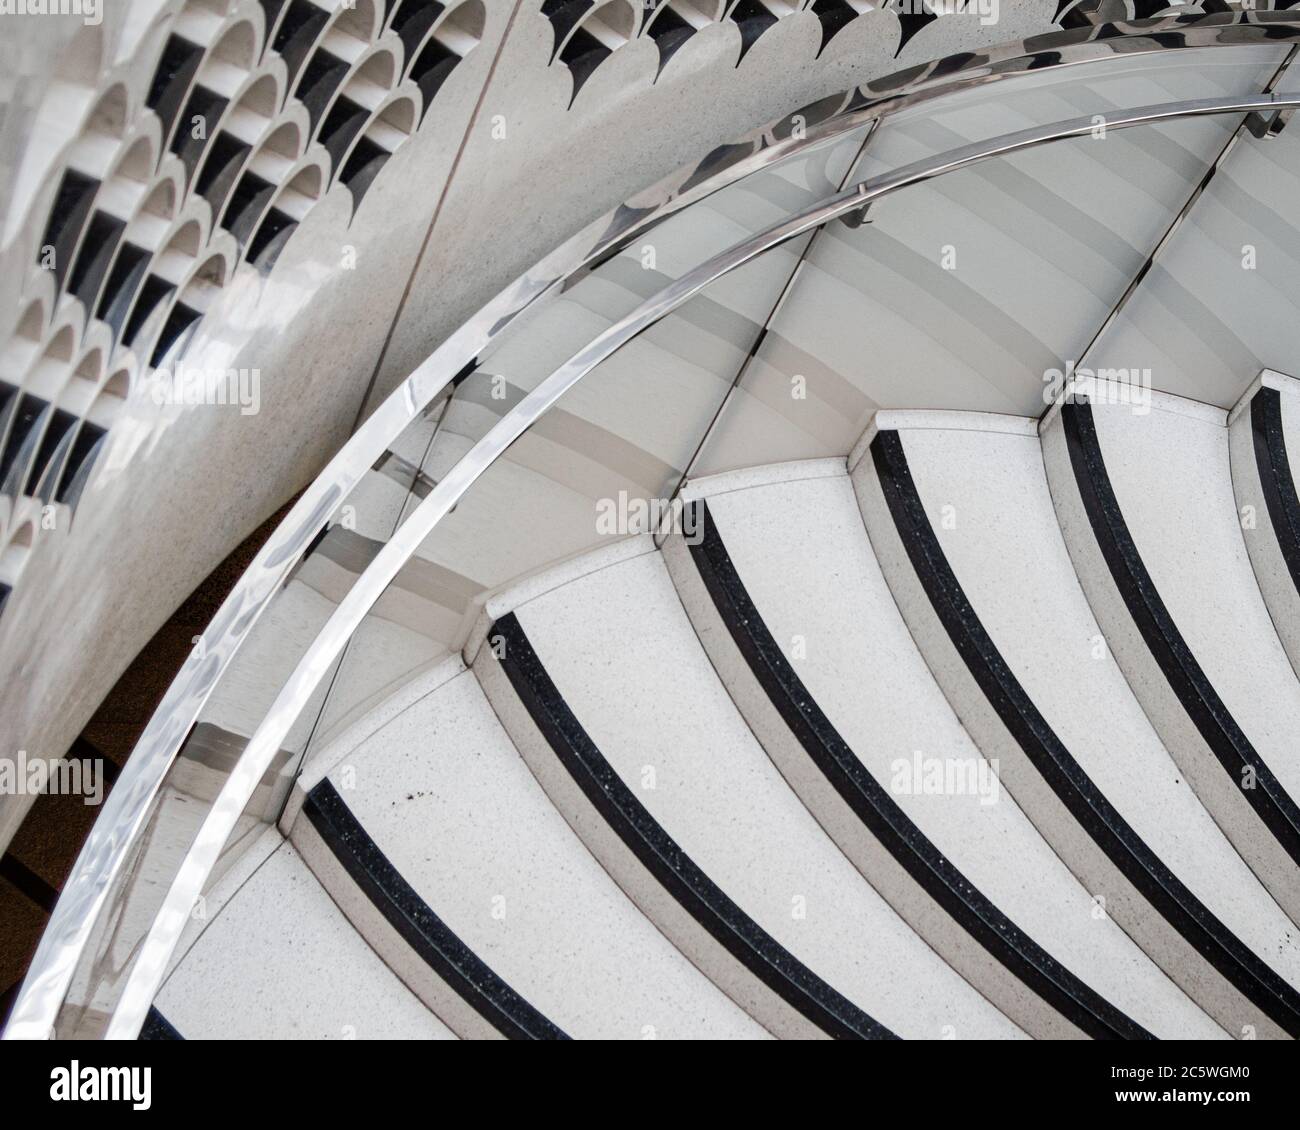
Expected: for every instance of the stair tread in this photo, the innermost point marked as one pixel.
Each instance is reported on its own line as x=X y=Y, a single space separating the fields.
x=1170 y=473
x=443 y=792
x=280 y=961
x=861 y=666
x=1010 y=557
x=627 y=662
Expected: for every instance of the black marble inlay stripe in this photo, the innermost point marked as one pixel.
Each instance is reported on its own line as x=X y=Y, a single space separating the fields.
x=158 y=1027
x=1275 y=477
x=1047 y=753
x=1207 y=711
x=421 y=929
x=739 y=934
x=877 y=810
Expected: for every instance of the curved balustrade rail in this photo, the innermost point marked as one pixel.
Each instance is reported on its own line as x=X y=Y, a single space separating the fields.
x=824 y=157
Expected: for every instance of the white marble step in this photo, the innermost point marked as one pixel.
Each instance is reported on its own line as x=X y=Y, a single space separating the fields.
x=443 y=793
x=627 y=663
x=1268 y=413
x=982 y=485
x=280 y=961
x=1228 y=689
x=1171 y=476
x=802 y=553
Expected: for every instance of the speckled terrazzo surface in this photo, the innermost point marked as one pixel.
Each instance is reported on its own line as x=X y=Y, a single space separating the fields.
x=446 y=796
x=281 y=961
x=653 y=702
x=859 y=663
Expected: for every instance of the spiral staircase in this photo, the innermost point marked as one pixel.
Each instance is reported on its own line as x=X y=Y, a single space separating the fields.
x=851 y=590
x=661 y=796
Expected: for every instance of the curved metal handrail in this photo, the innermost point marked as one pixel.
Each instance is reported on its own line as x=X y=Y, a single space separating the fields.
x=117 y=830
x=147 y=973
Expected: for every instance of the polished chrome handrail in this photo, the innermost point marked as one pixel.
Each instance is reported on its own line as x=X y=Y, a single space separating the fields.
x=147 y=973
x=117 y=830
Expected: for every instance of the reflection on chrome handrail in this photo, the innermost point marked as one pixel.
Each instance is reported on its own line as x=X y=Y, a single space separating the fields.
x=147 y=973
x=118 y=828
